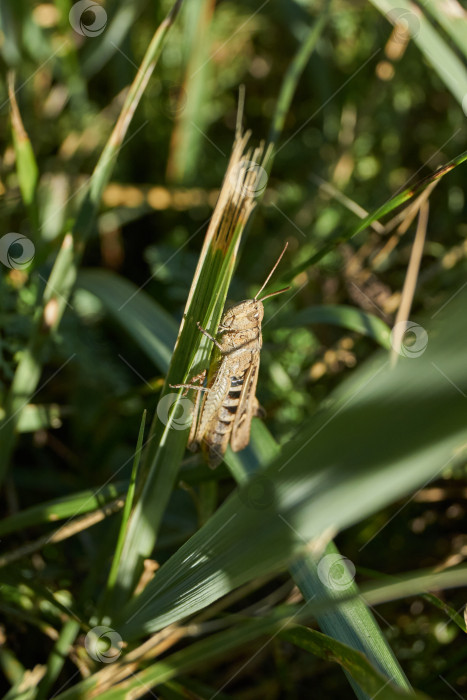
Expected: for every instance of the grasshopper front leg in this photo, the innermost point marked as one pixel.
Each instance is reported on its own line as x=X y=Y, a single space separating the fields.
x=208 y=335
x=201 y=376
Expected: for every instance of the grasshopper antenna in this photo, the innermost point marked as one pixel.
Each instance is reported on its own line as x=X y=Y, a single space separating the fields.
x=269 y=277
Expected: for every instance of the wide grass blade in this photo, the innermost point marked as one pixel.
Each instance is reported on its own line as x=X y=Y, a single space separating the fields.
x=351 y=622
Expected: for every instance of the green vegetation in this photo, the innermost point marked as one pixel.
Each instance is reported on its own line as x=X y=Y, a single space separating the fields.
x=155 y=160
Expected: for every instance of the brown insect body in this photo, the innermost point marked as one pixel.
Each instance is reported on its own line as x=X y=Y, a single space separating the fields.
x=230 y=394
x=231 y=403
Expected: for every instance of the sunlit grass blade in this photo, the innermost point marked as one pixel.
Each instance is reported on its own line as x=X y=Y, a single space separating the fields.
x=214 y=649
x=69 y=529
x=351 y=622
x=448 y=610
x=346 y=621
x=452 y=19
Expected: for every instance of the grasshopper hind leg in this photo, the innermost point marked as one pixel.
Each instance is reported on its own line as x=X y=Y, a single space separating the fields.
x=193 y=444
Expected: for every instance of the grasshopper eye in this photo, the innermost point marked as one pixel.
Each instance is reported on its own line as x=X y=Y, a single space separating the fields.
x=253 y=316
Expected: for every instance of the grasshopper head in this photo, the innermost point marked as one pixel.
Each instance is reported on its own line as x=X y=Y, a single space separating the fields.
x=247 y=315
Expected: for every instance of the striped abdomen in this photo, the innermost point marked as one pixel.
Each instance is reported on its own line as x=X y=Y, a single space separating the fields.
x=218 y=439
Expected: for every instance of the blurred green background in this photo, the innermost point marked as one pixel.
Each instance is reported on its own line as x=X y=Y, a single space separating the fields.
x=371 y=116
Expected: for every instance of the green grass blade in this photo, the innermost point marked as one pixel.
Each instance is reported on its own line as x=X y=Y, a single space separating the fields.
x=62 y=508
x=294 y=73
x=26 y=164
x=125 y=516
x=351 y=623
x=192 y=117
x=57 y=658
x=139 y=315
x=452 y=20
x=208 y=651
x=354 y=662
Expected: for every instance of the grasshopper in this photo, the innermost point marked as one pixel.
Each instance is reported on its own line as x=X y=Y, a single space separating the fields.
x=229 y=402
